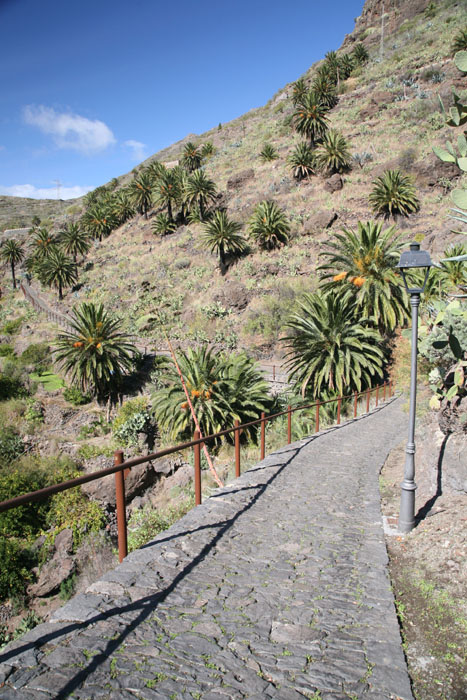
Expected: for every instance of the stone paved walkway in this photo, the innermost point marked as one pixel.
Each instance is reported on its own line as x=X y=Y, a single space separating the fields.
x=276 y=587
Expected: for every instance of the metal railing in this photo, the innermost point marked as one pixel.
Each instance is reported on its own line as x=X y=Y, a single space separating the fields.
x=122 y=468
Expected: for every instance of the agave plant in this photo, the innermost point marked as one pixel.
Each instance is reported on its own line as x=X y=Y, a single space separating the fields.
x=330 y=348
x=222 y=388
x=162 y=225
x=393 y=193
x=302 y=161
x=361 y=266
x=459 y=42
x=269 y=226
x=268 y=152
x=333 y=155
x=221 y=235
x=310 y=117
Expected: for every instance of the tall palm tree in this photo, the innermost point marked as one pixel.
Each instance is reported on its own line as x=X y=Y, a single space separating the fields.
x=222 y=388
x=299 y=90
x=330 y=349
x=192 y=157
x=74 y=240
x=200 y=190
x=12 y=252
x=269 y=226
x=95 y=352
x=57 y=270
x=310 y=118
x=140 y=191
x=361 y=266
x=121 y=206
x=167 y=191
x=221 y=235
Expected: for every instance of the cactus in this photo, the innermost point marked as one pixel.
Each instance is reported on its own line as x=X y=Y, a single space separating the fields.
x=448 y=154
x=460 y=60
x=459 y=197
x=457 y=114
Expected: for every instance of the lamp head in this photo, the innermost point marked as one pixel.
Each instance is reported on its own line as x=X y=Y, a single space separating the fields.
x=415 y=259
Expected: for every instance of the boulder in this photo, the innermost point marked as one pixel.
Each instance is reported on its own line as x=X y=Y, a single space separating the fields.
x=57 y=569
x=233 y=296
x=334 y=183
x=238 y=180
x=321 y=221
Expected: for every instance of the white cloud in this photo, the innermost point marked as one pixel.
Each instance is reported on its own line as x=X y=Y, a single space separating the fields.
x=138 y=148
x=44 y=192
x=70 y=130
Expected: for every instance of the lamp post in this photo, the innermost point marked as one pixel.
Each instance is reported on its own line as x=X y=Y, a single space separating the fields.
x=415 y=259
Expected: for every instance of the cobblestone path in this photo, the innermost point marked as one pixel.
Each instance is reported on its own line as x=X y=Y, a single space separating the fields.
x=276 y=587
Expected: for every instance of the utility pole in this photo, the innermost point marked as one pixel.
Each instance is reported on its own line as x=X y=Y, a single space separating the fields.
x=58 y=184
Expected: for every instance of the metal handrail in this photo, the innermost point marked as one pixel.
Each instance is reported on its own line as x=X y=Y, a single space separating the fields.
x=121 y=468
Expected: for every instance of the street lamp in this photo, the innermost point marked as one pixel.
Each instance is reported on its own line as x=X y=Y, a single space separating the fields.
x=418 y=260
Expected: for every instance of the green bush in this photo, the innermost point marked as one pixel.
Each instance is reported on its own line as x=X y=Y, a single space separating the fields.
x=27 y=520
x=76 y=397
x=11 y=446
x=15 y=568
x=132 y=418
x=443 y=357
x=37 y=356
x=145 y=524
x=6 y=350
x=12 y=327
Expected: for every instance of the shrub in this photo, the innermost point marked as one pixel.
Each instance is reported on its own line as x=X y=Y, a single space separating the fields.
x=11 y=446
x=37 y=356
x=460 y=42
x=145 y=524
x=12 y=327
x=15 y=568
x=268 y=153
x=76 y=397
x=6 y=350
x=28 y=520
x=132 y=418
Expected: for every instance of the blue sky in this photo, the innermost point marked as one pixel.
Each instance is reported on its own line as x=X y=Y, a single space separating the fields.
x=90 y=88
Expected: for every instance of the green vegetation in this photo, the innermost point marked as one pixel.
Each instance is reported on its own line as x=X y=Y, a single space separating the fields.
x=333 y=155
x=310 y=118
x=57 y=270
x=393 y=193
x=12 y=252
x=459 y=42
x=302 y=161
x=268 y=153
x=74 y=240
x=269 y=226
x=221 y=236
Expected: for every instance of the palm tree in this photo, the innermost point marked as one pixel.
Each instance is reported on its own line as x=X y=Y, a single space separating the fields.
x=302 y=161
x=192 y=157
x=324 y=88
x=268 y=152
x=299 y=90
x=208 y=150
x=57 y=270
x=310 y=117
x=269 y=226
x=333 y=155
x=162 y=225
x=221 y=235
x=393 y=193
x=330 y=348
x=361 y=268
x=222 y=388
x=140 y=192
x=74 y=240
x=12 y=252
x=99 y=220
x=42 y=242
x=95 y=352
x=200 y=189
x=167 y=191
x=360 y=54
x=121 y=206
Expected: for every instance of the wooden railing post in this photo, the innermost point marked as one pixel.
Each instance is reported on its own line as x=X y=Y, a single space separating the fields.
x=289 y=424
x=339 y=406
x=355 y=404
x=368 y=399
x=263 y=436
x=237 y=449
x=121 y=508
x=197 y=464
x=317 y=417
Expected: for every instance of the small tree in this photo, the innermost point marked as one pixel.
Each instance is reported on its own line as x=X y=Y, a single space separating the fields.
x=57 y=270
x=74 y=240
x=269 y=226
x=221 y=235
x=310 y=117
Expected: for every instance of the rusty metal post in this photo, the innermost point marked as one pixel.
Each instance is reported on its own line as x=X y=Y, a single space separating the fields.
x=390 y=388
x=377 y=395
x=384 y=391
x=197 y=462
x=355 y=404
x=263 y=436
x=368 y=399
x=237 y=449
x=317 y=417
x=121 y=509
x=289 y=424
x=339 y=406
